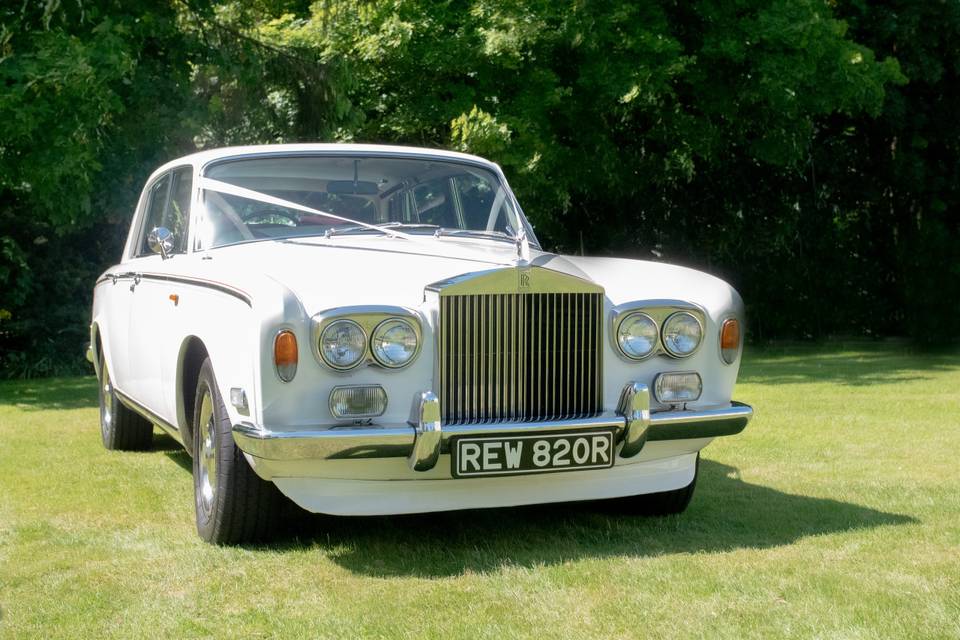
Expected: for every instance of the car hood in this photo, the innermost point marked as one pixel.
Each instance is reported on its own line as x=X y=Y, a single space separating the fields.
x=360 y=270
x=344 y=271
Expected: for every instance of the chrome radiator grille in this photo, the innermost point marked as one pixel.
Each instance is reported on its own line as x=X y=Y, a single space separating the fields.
x=520 y=356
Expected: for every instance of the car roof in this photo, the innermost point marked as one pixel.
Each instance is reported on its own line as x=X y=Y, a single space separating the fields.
x=202 y=158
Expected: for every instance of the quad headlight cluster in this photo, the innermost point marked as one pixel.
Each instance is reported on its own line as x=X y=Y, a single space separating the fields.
x=393 y=342
x=638 y=335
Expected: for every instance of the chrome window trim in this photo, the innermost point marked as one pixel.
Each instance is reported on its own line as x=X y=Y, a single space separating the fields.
x=368 y=318
x=400 y=155
x=144 y=204
x=659 y=311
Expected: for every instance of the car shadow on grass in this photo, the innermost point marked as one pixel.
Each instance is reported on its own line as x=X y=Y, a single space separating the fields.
x=726 y=514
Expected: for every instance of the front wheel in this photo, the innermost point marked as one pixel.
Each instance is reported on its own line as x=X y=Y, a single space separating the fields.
x=233 y=504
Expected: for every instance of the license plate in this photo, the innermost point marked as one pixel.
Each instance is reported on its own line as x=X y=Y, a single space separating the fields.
x=510 y=455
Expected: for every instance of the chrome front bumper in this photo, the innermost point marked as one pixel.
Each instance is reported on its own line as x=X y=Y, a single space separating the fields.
x=422 y=443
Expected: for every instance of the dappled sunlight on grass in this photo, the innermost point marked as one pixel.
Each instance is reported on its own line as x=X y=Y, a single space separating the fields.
x=865 y=365
x=50 y=393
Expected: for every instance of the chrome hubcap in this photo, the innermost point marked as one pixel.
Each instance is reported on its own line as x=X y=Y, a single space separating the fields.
x=208 y=454
x=106 y=402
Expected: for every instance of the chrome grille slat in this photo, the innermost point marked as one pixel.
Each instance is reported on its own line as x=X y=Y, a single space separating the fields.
x=519 y=356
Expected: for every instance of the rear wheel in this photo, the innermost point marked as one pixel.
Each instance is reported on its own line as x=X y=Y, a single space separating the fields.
x=233 y=504
x=120 y=428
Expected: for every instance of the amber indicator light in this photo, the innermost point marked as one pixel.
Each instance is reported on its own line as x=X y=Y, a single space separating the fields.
x=285 y=354
x=730 y=334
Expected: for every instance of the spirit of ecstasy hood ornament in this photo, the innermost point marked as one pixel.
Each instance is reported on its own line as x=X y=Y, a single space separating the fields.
x=523 y=247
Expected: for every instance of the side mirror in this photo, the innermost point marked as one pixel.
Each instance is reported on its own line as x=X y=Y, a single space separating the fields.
x=160 y=240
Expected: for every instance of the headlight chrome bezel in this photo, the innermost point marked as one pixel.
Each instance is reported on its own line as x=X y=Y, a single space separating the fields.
x=659 y=311
x=382 y=328
x=619 y=335
x=363 y=351
x=368 y=318
x=666 y=324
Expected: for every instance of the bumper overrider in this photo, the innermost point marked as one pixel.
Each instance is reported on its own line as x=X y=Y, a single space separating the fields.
x=425 y=439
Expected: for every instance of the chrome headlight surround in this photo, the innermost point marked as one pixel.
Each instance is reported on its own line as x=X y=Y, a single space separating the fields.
x=621 y=338
x=368 y=318
x=681 y=316
x=349 y=325
x=659 y=311
x=378 y=350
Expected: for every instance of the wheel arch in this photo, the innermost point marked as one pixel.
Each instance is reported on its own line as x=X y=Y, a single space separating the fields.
x=193 y=352
x=97 y=346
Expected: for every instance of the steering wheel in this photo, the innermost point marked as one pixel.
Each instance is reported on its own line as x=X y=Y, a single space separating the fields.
x=251 y=218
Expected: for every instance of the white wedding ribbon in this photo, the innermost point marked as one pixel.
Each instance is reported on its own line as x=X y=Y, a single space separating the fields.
x=231 y=189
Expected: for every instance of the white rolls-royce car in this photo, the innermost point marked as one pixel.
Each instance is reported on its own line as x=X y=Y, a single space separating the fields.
x=376 y=330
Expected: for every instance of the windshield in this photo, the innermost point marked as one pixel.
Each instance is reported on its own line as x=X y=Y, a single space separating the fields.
x=285 y=197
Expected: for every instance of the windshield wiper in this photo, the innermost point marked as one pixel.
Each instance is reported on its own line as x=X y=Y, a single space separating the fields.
x=475 y=233
x=378 y=227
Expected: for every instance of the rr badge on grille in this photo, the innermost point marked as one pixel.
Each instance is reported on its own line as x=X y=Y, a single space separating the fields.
x=523 y=279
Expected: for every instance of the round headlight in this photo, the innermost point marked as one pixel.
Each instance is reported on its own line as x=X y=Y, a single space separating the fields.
x=637 y=335
x=342 y=344
x=682 y=334
x=394 y=342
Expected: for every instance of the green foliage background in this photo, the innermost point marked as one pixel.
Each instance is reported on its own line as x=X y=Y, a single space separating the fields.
x=804 y=150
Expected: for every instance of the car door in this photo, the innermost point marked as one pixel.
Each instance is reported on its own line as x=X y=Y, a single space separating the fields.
x=154 y=333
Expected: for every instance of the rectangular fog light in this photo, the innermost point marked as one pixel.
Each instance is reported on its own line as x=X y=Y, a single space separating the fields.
x=363 y=401
x=677 y=388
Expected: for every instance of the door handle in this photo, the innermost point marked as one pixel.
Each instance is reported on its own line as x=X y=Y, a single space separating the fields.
x=136 y=281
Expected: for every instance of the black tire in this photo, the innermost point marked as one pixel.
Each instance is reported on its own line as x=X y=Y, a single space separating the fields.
x=121 y=429
x=666 y=503
x=233 y=504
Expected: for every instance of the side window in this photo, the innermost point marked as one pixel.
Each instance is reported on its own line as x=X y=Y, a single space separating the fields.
x=177 y=213
x=169 y=206
x=156 y=202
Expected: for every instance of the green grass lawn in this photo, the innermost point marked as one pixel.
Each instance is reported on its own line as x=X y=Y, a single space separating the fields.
x=836 y=514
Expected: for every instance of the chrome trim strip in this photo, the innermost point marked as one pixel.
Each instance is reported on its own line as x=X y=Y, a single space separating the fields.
x=707 y=423
x=135 y=406
x=507 y=280
x=363 y=442
x=188 y=280
x=200 y=282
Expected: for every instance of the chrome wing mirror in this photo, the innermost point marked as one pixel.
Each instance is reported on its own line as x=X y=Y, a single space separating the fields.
x=160 y=240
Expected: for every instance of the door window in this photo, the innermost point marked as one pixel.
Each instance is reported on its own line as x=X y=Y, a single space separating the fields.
x=168 y=206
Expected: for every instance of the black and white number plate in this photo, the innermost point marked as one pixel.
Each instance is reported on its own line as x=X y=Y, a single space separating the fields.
x=509 y=455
